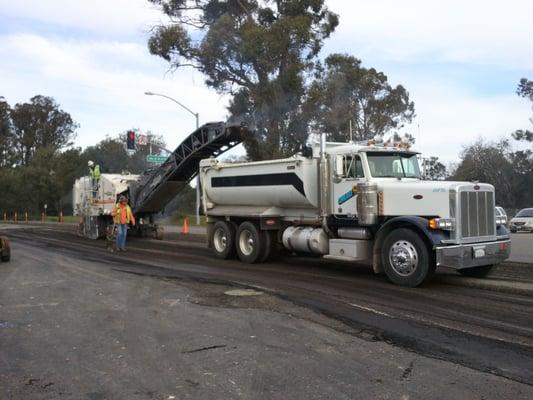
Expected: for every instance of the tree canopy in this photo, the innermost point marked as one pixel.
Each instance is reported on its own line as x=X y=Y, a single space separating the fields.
x=6 y=134
x=496 y=163
x=433 y=169
x=38 y=164
x=40 y=123
x=258 y=51
x=346 y=91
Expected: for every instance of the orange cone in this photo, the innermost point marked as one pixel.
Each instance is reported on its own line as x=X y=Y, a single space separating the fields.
x=185 y=227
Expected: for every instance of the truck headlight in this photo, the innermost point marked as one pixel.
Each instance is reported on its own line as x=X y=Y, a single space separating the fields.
x=446 y=224
x=501 y=221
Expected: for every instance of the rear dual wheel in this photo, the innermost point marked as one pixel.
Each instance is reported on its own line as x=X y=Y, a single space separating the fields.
x=251 y=244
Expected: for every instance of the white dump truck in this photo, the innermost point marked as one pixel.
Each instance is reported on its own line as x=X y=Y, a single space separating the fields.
x=355 y=202
x=93 y=201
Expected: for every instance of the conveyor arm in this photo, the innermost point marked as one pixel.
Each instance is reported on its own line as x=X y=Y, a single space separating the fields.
x=155 y=190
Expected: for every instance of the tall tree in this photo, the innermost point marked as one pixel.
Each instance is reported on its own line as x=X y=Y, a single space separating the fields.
x=346 y=91
x=40 y=123
x=257 y=50
x=6 y=134
x=525 y=89
x=490 y=163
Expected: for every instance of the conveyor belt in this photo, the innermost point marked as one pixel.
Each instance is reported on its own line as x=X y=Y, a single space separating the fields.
x=155 y=190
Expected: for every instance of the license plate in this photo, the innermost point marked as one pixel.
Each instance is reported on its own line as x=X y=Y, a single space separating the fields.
x=479 y=252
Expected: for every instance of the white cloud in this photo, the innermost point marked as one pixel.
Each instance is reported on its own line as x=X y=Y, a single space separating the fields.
x=451 y=117
x=99 y=16
x=474 y=31
x=102 y=85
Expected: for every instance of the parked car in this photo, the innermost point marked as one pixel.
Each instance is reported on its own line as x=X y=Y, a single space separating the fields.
x=501 y=216
x=523 y=221
x=5 y=249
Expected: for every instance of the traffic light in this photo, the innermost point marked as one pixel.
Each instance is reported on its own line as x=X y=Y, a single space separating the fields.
x=130 y=140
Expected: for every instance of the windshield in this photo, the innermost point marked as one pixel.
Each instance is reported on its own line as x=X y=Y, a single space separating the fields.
x=393 y=165
x=525 y=214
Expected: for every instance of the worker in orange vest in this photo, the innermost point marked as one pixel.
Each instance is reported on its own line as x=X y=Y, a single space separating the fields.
x=122 y=217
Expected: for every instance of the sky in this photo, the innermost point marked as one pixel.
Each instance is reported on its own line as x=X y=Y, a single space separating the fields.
x=460 y=61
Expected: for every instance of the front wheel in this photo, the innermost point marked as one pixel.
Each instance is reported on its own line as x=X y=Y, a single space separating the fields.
x=406 y=258
x=477 y=272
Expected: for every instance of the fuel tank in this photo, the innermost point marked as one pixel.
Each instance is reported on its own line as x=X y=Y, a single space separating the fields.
x=288 y=183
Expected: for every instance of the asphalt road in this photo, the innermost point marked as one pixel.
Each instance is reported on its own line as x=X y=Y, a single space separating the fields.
x=522 y=247
x=80 y=322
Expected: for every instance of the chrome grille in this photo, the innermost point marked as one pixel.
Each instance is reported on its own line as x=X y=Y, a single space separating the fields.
x=477 y=214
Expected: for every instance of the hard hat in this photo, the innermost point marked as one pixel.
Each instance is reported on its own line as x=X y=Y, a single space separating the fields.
x=90 y=163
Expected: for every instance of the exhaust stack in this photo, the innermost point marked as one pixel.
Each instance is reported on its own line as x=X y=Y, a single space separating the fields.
x=324 y=184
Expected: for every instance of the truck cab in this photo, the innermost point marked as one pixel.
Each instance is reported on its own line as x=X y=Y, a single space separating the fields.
x=352 y=165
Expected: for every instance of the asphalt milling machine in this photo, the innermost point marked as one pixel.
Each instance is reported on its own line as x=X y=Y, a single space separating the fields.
x=151 y=192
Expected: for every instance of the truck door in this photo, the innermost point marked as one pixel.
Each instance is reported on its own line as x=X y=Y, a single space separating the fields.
x=347 y=173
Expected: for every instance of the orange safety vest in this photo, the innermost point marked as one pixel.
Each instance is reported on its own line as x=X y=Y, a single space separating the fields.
x=122 y=214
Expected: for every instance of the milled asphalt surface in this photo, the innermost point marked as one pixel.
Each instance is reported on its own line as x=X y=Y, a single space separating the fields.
x=78 y=322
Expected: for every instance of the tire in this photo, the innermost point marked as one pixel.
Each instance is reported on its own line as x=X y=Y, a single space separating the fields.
x=406 y=258
x=269 y=238
x=223 y=240
x=513 y=230
x=250 y=243
x=477 y=272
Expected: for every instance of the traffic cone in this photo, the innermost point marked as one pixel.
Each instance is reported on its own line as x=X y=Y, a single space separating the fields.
x=185 y=227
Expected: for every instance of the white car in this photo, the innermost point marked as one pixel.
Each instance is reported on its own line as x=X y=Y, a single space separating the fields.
x=523 y=221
